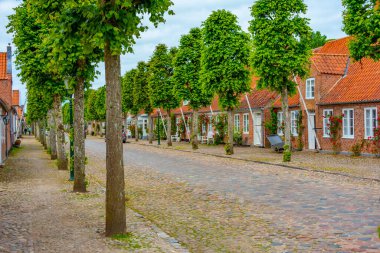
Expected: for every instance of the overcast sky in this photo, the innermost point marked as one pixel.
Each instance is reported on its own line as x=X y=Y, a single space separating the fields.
x=325 y=16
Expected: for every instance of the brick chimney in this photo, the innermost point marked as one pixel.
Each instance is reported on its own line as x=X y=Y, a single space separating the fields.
x=15 y=97
x=9 y=59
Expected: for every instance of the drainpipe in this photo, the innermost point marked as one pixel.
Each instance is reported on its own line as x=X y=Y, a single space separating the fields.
x=162 y=119
x=186 y=127
x=253 y=126
x=307 y=113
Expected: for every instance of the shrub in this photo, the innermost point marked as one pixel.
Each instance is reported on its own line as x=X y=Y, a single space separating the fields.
x=238 y=138
x=287 y=154
x=228 y=149
x=335 y=128
x=271 y=124
x=356 y=149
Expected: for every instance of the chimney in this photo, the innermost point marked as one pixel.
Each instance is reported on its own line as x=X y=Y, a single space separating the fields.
x=9 y=59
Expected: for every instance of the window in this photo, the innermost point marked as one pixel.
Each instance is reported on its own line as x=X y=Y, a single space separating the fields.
x=185 y=102
x=245 y=123
x=326 y=122
x=348 y=123
x=310 y=83
x=237 y=122
x=293 y=123
x=280 y=121
x=210 y=123
x=370 y=122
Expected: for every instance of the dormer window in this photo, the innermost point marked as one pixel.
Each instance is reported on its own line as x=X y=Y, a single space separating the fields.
x=310 y=83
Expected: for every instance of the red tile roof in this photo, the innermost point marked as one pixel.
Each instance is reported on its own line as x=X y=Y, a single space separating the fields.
x=3 y=65
x=330 y=63
x=339 y=46
x=362 y=84
x=257 y=98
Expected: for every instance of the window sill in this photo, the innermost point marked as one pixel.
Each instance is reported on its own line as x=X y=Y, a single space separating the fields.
x=348 y=137
x=245 y=132
x=326 y=136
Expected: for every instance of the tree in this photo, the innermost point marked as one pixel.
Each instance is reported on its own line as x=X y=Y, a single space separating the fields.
x=317 y=39
x=285 y=55
x=141 y=94
x=187 y=66
x=225 y=59
x=32 y=54
x=361 y=19
x=128 y=101
x=161 y=83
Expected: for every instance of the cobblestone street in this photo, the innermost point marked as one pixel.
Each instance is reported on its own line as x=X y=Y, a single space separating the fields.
x=312 y=212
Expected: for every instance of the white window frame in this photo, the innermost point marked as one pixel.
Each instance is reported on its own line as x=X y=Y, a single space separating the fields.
x=293 y=122
x=246 y=123
x=237 y=122
x=280 y=120
x=326 y=120
x=310 y=88
x=345 y=112
x=371 y=134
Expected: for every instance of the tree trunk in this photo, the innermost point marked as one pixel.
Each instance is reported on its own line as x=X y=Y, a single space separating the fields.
x=285 y=110
x=48 y=121
x=230 y=133
x=169 y=130
x=61 y=153
x=194 y=134
x=115 y=186
x=136 y=128
x=53 y=136
x=79 y=149
x=150 y=129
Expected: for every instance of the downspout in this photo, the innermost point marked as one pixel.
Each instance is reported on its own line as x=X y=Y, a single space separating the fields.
x=307 y=113
x=163 y=123
x=186 y=127
x=253 y=126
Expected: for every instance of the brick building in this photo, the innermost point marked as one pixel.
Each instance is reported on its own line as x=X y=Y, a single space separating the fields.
x=10 y=109
x=335 y=86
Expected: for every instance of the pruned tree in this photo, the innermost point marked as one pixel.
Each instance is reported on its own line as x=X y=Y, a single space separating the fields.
x=128 y=101
x=161 y=83
x=187 y=67
x=225 y=59
x=285 y=55
x=141 y=95
x=361 y=19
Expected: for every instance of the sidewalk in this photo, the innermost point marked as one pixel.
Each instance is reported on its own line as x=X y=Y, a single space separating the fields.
x=356 y=167
x=39 y=212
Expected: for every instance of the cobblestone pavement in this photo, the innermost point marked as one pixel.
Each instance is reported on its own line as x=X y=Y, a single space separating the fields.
x=317 y=212
x=363 y=167
x=39 y=212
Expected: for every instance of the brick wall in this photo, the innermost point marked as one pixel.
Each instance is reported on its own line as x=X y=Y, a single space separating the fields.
x=359 y=125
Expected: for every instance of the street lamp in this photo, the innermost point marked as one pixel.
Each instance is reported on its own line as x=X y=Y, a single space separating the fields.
x=71 y=135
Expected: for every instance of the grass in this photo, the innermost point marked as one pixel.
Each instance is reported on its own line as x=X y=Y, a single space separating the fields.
x=130 y=241
x=16 y=150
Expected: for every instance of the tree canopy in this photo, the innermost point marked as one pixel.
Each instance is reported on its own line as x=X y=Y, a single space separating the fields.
x=278 y=56
x=361 y=19
x=225 y=58
x=317 y=39
x=187 y=66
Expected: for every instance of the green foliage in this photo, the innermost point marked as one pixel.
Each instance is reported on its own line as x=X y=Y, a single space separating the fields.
x=238 y=138
x=317 y=39
x=162 y=130
x=271 y=125
x=361 y=18
x=66 y=114
x=300 y=128
x=100 y=103
x=187 y=65
x=220 y=124
x=228 y=149
x=127 y=85
x=160 y=78
x=281 y=38
x=225 y=57
x=287 y=154
x=141 y=89
x=356 y=149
